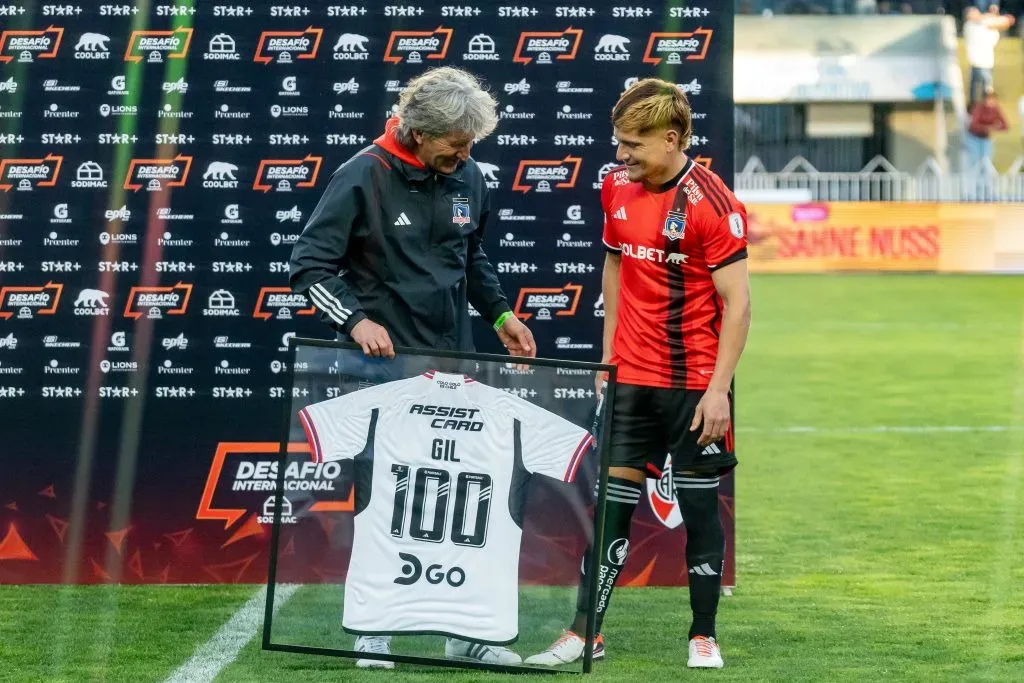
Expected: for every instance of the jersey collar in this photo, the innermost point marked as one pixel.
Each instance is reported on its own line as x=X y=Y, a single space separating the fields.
x=669 y=184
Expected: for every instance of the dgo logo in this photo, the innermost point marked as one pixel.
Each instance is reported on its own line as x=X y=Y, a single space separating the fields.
x=156 y=46
x=675 y=47
x=30 y=45
x=545 y=175
x=415 y=46
x=155 y=302
x=540 y=301
x=156 y=174
x=541 y=45
x=287 y=174
x=287 y=46
x=29 y=301
x=29 y=173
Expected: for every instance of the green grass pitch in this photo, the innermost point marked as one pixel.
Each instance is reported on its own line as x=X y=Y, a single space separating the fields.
x=863 y=554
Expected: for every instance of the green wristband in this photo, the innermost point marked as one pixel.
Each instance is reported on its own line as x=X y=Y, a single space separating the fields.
x=501 y=320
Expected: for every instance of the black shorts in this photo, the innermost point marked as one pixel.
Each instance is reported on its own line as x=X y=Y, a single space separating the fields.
x=648 y=423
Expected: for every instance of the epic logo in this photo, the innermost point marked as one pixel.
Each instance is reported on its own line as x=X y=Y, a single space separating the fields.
x=412 y=571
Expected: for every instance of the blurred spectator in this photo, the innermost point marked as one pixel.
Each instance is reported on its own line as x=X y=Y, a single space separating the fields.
x=986 y=118
x=981 y=33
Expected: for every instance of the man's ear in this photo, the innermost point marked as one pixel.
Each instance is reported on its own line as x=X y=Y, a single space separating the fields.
x=417 y=136
x=672 y=138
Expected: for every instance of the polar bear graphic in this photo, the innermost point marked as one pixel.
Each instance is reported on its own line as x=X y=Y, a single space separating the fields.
x=220 y=170
x=677 y=258
x=93 y=42
x=93 y=298
x=612 y=43
x=351 y=42
x=488 y=170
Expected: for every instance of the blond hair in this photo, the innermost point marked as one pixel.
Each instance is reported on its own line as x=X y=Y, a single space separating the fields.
x=653 y=104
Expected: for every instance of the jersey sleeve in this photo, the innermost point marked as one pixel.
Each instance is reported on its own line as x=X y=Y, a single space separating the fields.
x=337 y=429
x=611 y=241
x=725 y=236
x=551 y=445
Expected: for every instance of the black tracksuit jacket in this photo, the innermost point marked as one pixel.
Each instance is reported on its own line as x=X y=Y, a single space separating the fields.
x=395 y=242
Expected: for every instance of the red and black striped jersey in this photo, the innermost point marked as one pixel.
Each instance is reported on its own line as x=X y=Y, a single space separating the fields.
x=671 y=241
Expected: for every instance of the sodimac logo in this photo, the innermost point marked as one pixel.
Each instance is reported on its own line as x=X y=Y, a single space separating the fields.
x=156 y=302
x=156 y=46
x=38 y=44
x=678 y=47
x=157 y=174
x=27 y=302
x=545 y=175
x=287 y=174
x=287 y=46
x=29 y=173
x=542 y=301
x=281 y=303
x=247 y=471
x=415 y=46
x=543 y=46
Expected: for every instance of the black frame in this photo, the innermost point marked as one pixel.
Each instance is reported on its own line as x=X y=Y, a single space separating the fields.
x=599 y=510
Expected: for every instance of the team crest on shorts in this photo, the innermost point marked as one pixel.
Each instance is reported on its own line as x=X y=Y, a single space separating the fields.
x=675 y=226
x=460 y=211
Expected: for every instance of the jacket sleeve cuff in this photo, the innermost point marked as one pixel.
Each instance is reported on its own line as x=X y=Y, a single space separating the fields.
x=352 y=321
x=499 y=307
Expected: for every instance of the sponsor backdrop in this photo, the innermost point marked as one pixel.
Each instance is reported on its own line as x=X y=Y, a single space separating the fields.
x=865 y=236
x=158 y=162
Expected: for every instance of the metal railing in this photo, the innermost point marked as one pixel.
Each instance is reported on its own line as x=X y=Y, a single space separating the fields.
x=880 y=181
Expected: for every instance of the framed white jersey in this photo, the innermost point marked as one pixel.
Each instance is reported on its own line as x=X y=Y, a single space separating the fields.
x=442 y=464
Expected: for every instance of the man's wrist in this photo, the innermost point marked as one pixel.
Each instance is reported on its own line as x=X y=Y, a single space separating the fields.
x=502 y=319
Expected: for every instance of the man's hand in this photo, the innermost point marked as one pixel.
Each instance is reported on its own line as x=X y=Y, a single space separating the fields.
x=517 y=338
x=713 y=408
x=373 y=338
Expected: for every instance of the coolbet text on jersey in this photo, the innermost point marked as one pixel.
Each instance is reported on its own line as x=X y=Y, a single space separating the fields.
x=442 y=465
x=670 y=240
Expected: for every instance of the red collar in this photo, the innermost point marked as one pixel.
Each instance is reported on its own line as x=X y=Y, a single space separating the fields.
x=390 y=143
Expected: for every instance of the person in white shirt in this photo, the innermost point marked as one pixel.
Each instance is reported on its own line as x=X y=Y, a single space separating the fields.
x=981 y=34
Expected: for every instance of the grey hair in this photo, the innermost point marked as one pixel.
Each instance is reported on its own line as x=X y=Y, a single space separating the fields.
x=445 y=100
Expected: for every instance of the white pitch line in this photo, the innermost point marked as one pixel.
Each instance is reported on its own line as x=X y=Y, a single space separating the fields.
x=882 y=429
x=223 y=647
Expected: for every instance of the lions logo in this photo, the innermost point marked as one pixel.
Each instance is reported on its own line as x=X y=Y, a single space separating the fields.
x=675 y=226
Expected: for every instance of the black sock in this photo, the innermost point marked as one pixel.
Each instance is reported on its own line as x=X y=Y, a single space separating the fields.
x=623 y=495
x=705 y=548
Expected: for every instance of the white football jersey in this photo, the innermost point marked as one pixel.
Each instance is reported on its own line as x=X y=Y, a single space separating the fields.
x=442 y=464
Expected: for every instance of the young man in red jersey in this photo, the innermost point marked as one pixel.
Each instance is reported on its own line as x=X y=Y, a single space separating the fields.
x=677 y=311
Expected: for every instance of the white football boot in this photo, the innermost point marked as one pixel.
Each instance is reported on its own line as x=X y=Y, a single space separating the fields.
x=380 y=645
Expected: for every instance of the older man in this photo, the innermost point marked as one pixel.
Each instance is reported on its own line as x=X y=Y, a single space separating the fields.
x=393 y=251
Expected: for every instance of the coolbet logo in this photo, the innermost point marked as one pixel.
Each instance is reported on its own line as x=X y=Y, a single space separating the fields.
x=545 y=175
x=415 y=46
x=541 y=301
x=157 y=174
x=29 y=173
x=286 y=174
x=243 y=478
x=30 y=45
x=287 y=46
x=675 y=47
x=156 y=46
x=155 y=302
x=541 y=45
x=27 y=302
x=278 y=302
